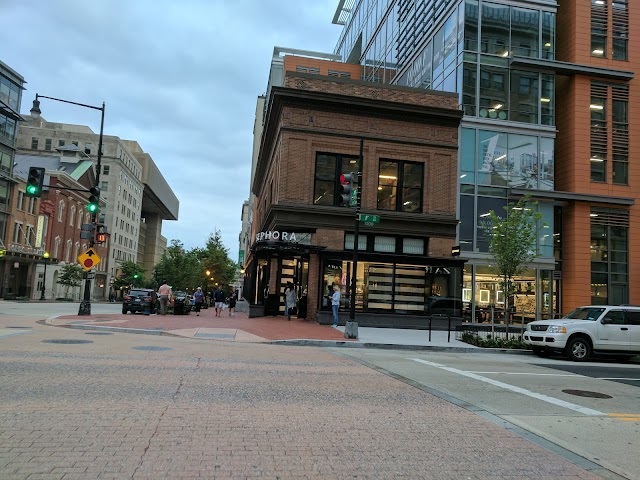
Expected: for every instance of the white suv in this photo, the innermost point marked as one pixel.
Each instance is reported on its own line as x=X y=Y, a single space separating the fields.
x=606 y=329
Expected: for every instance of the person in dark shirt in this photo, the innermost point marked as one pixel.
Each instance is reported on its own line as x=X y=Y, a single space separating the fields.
x=218 y=298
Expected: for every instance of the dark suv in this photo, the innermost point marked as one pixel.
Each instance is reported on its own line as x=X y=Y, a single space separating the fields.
x=139 y=300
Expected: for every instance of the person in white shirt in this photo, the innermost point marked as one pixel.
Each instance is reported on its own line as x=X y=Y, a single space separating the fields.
x=335 y=304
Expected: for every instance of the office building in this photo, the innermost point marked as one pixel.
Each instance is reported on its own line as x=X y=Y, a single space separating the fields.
x=546 y=89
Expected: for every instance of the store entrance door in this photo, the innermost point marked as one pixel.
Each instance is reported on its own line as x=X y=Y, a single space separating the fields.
x=294 y=270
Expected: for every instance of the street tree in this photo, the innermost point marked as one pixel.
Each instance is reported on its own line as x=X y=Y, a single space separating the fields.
x=512 y=243
x=214 y=258
x=131 y=275
x=70 y=276
x=179 y=268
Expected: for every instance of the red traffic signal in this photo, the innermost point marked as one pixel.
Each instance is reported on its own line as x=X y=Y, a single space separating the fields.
x=346 y=189
x=101 y=234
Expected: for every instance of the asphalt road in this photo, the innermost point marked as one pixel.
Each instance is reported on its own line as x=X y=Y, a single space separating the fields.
x=78 y=404
x=602 y=371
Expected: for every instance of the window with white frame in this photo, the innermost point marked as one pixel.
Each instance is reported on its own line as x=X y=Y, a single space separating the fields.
x=20 y=203
x=17 y=232
x=60 y=210
x=30 y=236
x=67 y=253
x=76 y=250
x=32 y=205
x=56 y=247
x=72 y=216
x=80 y=219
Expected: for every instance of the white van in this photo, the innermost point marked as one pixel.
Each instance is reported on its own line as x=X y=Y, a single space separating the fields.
x=609 y=329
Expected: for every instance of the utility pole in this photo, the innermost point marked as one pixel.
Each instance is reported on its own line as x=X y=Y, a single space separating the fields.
x=351 y=327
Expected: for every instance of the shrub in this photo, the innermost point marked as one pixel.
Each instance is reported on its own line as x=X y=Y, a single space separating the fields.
x=490 y=342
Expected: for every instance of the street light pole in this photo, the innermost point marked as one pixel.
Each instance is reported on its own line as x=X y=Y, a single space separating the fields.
x=351 y=327
x=45 y=255
x=85 y=304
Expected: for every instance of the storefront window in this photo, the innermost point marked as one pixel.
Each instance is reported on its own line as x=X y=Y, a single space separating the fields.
x=523 y=161
x=492 y=158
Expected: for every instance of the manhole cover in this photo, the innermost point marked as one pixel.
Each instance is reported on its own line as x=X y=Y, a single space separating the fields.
x=152 y=349
x=21 y=328
x=586 y=393
x=98 y=333
x=67 y=342
x=215 y=335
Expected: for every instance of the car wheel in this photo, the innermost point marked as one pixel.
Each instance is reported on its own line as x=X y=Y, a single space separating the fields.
x=539 y=351
x=578 y=349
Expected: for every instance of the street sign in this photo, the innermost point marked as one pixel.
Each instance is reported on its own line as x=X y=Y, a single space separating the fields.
x=90 y=275
x=367 y=218
x=89 y=259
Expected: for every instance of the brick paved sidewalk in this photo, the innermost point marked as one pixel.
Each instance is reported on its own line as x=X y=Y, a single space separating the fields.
x=266 y=328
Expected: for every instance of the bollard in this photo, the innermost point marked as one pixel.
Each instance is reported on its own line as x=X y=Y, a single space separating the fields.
x=449 y=329
x=430 y=317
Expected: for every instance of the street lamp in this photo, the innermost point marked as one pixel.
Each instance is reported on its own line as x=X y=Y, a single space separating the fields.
x=45 y=255
x=85 y=304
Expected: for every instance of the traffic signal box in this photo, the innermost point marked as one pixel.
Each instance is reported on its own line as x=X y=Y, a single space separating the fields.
x=94 y=200
x=101 y=234
x=35 y=181
x=346 y=189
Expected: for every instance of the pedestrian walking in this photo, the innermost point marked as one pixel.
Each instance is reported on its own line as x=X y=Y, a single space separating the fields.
x=218 y=298
x=335 y=304
x=289 y=300
x=232 y=303
x=165 y=294
x=198 y=298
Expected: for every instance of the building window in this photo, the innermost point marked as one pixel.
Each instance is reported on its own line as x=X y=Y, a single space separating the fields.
x=413 y=246
x=329 y=167
x=598 y=107
x=74 y=143
x=620 y=28
x=56 y=247
x=105 y=170
x=5 y=159
x=17 y=232
x=34 y=143
x=29 y=236
x=47 y=144
x=599 y=28
x=87 y=148
x=384 y=244
x=620 y=135
x=609 y=256
x=32 y=205
x=60 y=210
x=72 y=215
x=80 y=219
x=104 y=186
x=67 y=252
x=400 y=186
x=20 y=202
x=61 y=143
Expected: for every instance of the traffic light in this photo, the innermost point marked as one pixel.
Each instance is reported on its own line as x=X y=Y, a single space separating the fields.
x=135 y=275
x=94 y=199
x=35 y=181
x=346 y=189
x=101 y=234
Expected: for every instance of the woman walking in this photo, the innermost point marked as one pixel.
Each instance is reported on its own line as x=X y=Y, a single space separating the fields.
x=198 y=298
x=289 y=299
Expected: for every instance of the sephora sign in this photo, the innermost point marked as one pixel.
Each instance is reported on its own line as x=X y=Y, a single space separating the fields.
x=289 y=237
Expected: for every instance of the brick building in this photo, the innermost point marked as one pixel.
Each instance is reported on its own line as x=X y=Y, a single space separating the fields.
x=313 y=128
x=53 y=224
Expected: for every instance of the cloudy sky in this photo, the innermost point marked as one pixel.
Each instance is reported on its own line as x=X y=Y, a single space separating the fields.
x=179 y=77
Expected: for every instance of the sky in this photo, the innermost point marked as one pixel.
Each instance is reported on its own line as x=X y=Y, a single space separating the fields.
x=179 y=77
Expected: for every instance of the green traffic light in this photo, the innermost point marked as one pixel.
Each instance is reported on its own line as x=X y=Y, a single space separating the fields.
x=135 y=276
x=92 y=207
x=32 y=189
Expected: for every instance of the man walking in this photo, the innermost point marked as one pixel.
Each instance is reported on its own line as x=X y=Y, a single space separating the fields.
x=165 y=296
x=218 y=297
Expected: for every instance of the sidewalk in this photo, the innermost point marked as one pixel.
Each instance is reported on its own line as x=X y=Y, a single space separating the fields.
x=272 y=329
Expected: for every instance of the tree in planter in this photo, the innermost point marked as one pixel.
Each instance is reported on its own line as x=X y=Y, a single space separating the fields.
x=512 y=243
x=70 y=276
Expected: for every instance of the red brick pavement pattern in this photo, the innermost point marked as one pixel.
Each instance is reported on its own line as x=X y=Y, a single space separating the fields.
x=270 y=328
x=244 y=411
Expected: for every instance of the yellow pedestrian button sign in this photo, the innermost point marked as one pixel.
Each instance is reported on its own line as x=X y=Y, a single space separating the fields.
x=89 y=259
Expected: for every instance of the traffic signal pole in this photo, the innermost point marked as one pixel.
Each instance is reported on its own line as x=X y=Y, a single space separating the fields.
x=85 y=304
x=351 y=327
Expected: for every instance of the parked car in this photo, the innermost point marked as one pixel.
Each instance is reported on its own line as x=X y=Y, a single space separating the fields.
x=182 y=303
x=140 y=300
x=603 y=329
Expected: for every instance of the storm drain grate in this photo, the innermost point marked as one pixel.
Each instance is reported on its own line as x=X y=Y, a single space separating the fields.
x=98 y=333
x=67 y=341
x=586 y=393
x=150 y=348
x=21 y=328
x=229 y=336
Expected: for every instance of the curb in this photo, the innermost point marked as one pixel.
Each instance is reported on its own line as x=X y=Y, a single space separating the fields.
x=305 y=342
